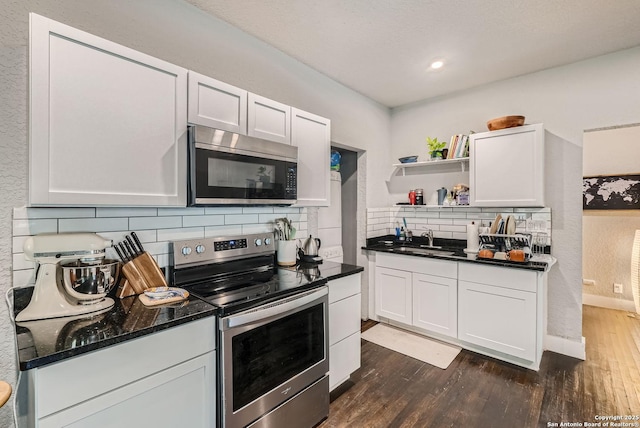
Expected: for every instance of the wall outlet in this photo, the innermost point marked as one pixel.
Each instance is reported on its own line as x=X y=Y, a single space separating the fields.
x=588 y=281
x=617 y=288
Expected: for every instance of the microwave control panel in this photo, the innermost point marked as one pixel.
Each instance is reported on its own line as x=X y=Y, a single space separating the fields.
x=291 y=183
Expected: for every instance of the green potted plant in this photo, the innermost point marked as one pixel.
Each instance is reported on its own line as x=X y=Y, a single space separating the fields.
x=435 y=147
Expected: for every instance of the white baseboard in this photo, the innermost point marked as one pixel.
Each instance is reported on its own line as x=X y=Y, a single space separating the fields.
x=608 y=302
x=565 y=346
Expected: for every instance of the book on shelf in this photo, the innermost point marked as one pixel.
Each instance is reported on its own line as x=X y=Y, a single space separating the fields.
x=458 y=146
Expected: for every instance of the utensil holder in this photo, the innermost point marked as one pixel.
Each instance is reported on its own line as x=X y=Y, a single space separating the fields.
x=286 y=252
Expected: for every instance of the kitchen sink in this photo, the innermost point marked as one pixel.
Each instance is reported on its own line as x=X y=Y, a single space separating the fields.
x=426 y=251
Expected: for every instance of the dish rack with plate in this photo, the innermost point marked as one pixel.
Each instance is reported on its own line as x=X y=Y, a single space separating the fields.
x=498 y=242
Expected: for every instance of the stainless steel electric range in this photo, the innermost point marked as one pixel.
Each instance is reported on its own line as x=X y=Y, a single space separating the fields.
x=273 y=355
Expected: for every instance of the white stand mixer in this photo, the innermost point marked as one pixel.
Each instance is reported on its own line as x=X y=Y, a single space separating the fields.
x=51 y=297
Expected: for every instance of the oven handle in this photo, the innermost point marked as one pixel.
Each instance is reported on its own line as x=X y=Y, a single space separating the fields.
x=273 y=309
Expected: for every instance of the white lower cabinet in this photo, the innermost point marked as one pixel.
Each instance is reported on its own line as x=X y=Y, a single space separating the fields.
x=417 y=291
x=344 y=328
x=393 y=294
x=435 y=302
x=141 y=382
x=501 y=309
x=497 y=311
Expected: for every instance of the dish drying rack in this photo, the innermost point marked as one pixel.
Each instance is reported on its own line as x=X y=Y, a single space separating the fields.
x=505 y=243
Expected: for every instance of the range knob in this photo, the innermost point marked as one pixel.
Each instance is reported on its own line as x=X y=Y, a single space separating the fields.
x=267 y=241
x=199 y=248
x=186 y=250
x=258 y=242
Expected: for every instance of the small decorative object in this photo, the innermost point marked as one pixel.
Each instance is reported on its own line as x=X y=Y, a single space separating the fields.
x=335 y=160
x=435 y=147
x=408 y=159
x=612 y=192
x=505 y=122
x=286 y=243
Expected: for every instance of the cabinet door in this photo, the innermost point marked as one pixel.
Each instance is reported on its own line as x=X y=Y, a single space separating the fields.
x=217 y=104
x=344 y=359
x=269 y=119
x=107 y=123
x=344 y=318
x=393 y=294
x=506 y=167
x=312 y=135
x=498 y=318
x=435 y=304
x=183 y=395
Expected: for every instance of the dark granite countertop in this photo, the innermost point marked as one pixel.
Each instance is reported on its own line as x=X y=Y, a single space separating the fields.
x=453 y=250
x=48 y=341
x=44 y=342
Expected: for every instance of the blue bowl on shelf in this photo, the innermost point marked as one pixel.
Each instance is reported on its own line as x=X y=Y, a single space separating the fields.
x=408 y=159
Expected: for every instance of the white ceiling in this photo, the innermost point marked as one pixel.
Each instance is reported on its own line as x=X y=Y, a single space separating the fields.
x=383 y=48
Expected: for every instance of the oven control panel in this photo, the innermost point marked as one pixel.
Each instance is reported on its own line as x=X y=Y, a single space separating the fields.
x=207 y=250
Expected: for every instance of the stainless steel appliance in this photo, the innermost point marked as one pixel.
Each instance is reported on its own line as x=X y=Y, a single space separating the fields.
x=272 y=330
x=73 y=276
x=233 y=169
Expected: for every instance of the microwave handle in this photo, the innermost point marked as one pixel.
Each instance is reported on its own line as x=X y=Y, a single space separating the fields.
x=274 y=309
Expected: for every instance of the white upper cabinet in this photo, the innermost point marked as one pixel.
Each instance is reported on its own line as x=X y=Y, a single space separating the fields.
x=107 y=123
x=268 y=119
x=506 y=167
x=312 y=135
x=217 y=104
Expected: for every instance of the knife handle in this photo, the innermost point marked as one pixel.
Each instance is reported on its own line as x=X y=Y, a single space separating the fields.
x=131 y=253
x=135 y=251
x=138 y=243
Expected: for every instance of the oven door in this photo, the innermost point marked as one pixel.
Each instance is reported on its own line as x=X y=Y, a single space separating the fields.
x=227 y=168
x=270 y=354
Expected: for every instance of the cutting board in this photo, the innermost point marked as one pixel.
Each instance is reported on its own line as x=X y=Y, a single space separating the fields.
x=148 y=301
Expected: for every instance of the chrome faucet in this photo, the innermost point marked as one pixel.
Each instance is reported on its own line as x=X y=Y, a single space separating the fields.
x=429 y=235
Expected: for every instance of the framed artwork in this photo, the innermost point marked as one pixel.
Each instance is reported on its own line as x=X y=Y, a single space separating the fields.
x=611 y=192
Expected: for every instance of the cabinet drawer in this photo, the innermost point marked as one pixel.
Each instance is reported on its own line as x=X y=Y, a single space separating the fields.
x=437 y=267
x=344 y=318
x=514 y=278
x=344 y=359
x=80 y=378
x=344 y=287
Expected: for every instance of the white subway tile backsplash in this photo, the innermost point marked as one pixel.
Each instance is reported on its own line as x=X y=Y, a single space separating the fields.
x=126 y=212
x=202 y=220
x=180 y=234
x=440 y=221
x=453 y=214
x=456 y=235
x=162 y=259
x=17 y=244
x=24 y=277
x=220 y=231
x=20 y=262
x=444 y=235
x=223 y=210
x=157 y=247
x=34 y=227
x=241 y=218
x=256 y=228
x=428 y=214
x=181 y=211
x=270 y=218
x=257 y=210
x=447 y=228
x=55 y=213
x=172 y=222
x=287 y=210
x=106 y=224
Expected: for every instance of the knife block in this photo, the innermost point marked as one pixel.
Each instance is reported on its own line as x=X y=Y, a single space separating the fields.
x=143 y=272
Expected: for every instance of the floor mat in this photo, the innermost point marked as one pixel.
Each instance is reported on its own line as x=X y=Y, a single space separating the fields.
x=430 y=351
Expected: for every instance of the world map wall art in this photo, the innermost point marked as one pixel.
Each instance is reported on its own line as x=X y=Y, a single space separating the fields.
x=611 y=192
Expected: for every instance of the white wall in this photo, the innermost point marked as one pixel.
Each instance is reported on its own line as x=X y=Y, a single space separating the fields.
x=182 y=34
x=608 y=234
x=589 y=94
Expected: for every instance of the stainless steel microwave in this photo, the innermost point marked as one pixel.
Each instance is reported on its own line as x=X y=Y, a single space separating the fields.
x=226 y=168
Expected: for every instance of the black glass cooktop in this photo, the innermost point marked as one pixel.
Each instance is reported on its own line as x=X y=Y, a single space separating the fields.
x=243 y=284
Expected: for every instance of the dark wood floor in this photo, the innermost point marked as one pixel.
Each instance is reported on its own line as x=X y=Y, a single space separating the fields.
x=393 y=390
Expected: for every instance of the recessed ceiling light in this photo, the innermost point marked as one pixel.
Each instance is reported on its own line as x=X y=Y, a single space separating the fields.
x=436 y=64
